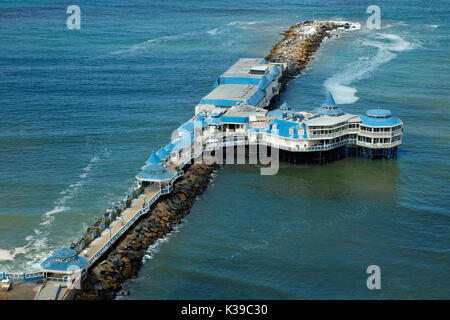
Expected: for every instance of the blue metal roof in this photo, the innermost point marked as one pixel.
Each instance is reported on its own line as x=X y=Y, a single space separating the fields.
x=152 y=176
x=329 y=101
x=380 y=122
x=329 y=107
x=237 y=80
x=210 y=120
x=381 y=113
x=154 y=159
x=199 y=122
x=256 y=98
x=169 y=147
x=53 y=263
x=162 y=153
x=184 y=141
x=155 y=168
x=219 y=102
x=226 y=119
x=284 y=126
x=285 y=106
x=187 y=126
x=274 y=71
x=217 y=112
x=277 y=113
x=327 y=111
x=64 y=253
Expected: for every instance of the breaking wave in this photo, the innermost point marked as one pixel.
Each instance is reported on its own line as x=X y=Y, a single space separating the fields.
x=38 y=242
x=387 y=44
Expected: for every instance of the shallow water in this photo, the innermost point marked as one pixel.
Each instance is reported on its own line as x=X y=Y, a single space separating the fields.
x=82 y=110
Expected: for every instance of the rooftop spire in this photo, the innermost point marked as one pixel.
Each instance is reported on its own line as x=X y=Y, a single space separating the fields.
x=329 y=102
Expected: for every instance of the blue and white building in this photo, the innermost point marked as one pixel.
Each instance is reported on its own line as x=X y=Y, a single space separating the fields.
x=252 y=81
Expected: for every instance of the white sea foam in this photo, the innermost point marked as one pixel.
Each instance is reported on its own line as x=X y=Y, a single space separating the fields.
x=212 y=31
x=37 y=247
x=387 y=45
x=244 y=23
x=156 y=247
x=6 y=255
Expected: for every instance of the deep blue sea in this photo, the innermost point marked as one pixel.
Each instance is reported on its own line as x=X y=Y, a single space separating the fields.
x=81 y=110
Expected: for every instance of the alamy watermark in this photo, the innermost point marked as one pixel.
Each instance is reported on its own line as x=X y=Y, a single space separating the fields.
x=374 y=21
x=73 y=21
x=374 y=280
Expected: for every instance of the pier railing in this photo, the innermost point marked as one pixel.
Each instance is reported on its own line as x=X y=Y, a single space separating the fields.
x=22 y=276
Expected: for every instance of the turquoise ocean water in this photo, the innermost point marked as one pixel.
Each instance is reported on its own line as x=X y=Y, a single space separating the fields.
x=80 y=111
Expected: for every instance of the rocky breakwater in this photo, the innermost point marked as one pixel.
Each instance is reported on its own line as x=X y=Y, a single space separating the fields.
x=123 y=261
x=299 y=44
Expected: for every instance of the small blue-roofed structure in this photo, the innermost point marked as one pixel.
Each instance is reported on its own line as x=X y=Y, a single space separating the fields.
x=379 y=118
x=154 y=173
x=154 y=159
x=64 y=261
x=329 y=107
x=285 y=106
x=153 y=167
x=329 y=101
x=288 y=129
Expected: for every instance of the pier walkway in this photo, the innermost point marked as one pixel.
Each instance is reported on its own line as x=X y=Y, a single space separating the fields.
x=116 y=225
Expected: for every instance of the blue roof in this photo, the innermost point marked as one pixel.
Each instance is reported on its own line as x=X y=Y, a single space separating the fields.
x=200 y=122
x=329 y=107
x=329 y=102
x=263 y=61
x=184 y=141
x=162 y=153
x=187 y=126
x=285 y=106
x=284 y=126
x=152 y=176
x=154 y=159
x=277 y=113
x=217 y=112
x=256 y=98
x=380 y=122
x=262 y=81
x=64 y=253
x=210 y=120
x=382 y=113
x=153 y=168
x=53 y=263
x=327 y=111
x=169 y=147
x=220 y=102
x=237 y=80
x=226 y=119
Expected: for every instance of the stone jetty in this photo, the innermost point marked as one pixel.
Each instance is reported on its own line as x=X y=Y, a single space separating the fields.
x=298 y=45
x=123 y=261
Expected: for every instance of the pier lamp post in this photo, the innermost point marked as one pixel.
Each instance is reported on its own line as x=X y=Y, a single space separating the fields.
x=110 y=225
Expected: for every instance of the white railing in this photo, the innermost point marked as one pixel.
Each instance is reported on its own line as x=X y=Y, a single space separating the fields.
x=22 y=276
x=121 y=231
x=379 y=145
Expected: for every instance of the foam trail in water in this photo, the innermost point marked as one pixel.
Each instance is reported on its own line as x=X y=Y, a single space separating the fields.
x=37 y=243
x=387 y=45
